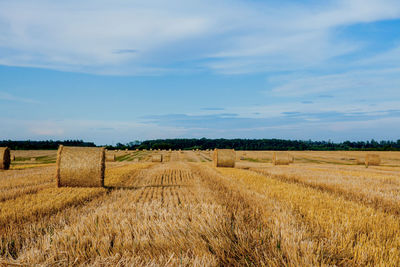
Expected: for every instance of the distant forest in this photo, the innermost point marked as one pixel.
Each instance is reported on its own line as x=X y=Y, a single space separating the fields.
x=36 y=145
x=204 y=143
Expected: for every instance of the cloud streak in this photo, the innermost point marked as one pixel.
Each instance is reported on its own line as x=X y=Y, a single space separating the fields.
x=87 y=37
x=9 y=97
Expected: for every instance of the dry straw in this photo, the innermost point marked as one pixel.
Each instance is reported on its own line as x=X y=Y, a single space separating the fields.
x=281 y=158
x=157 y=158
x=4 y=158
x=80 y=166
x=224 y=158
x=372 y=160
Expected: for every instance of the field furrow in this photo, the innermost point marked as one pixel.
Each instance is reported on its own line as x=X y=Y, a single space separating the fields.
x=356 y=234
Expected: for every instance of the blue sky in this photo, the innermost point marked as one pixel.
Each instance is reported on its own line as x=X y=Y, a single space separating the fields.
x=117 y=71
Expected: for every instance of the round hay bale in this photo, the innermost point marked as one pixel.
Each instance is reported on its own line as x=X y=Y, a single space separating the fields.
x=224 y=158
x=157 y=158
x=80 y=166
x=33 y=159
x=136 y=160
x=12 y=158
x=372 y=160
x=360 y=161
x=281 y=158
x=4 y=158
x=110 y=157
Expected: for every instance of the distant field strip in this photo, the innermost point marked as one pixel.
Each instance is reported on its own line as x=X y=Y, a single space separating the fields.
x=372 y=188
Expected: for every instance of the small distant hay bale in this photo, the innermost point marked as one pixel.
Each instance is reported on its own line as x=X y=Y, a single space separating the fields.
x=126 y=149
x=33 y=159
x=224 y=158
x=12 y=158
x=360 y=161
x=242 y=158
x=137 y=149
x=291 y=158
x=5 y=158
x=156 y=158
x=110 y=157
x=372 y=160
x=281 y=158
x=80 y=166
x=136 y=160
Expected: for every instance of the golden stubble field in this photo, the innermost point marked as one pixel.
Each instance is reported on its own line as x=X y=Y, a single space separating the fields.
x=323 y=209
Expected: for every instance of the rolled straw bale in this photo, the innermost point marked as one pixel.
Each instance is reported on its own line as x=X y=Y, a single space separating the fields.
x=291 y=158
x=33 y=159
x=157 y=158
x=136 y=160
x=80 y=166
x=12 y=158
x=224 y=158
x=110 y=157
x=4 y=158
x=360 y=161
x=372 y=160
x=281 y=158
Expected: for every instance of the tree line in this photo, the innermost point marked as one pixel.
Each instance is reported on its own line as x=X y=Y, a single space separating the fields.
x=49 y=144
x=205 y=143
x=259 y=144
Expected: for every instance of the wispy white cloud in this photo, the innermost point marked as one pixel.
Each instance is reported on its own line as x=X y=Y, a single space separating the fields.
x=9 y=97
x=224 y=36
x=355 y=84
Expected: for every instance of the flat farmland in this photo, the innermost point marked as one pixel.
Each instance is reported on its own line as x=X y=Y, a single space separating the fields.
x=324 y=209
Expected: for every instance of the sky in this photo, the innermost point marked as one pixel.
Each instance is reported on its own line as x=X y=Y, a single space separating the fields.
x=118 y=71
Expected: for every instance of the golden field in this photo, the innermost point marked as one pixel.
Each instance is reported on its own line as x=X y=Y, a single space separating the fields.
x=323 y=209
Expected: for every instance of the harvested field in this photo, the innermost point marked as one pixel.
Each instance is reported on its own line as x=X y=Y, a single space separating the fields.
x=323 y=209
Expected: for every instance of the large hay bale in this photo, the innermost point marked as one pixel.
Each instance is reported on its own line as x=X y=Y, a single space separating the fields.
x=372 y=160
x=4 y=158
x=281 y=158
x=110 y=157
x=157 y=158
x=224 y=158
x=80 y=166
